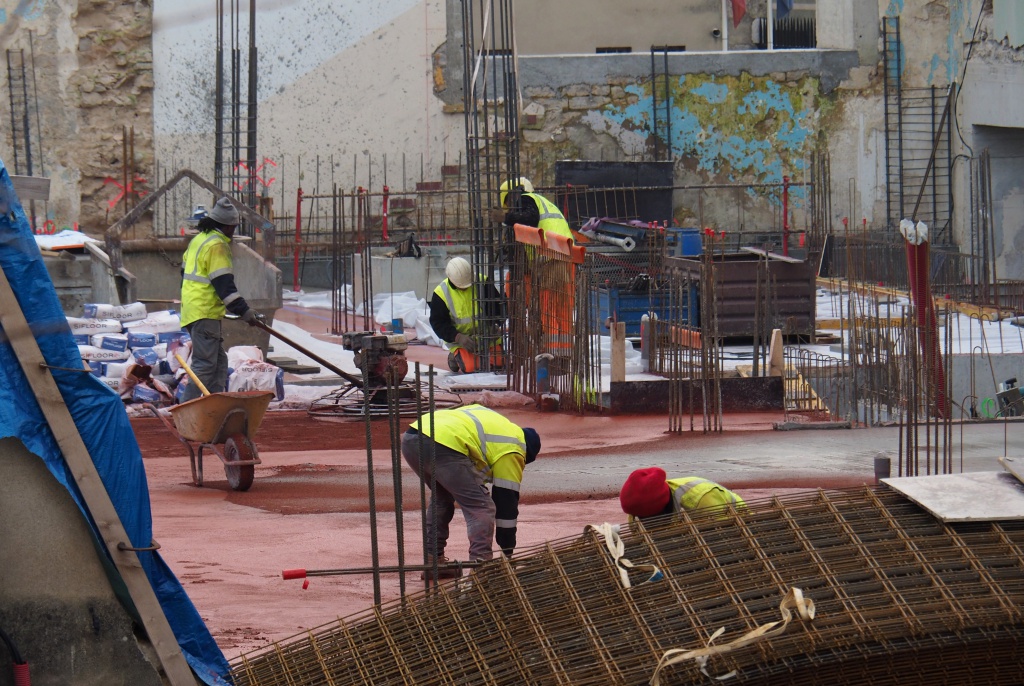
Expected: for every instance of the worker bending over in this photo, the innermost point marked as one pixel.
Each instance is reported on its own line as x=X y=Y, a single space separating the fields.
x=471 y=446
x=647 y=493
x=455 y=317
x=207 y=292
x=523 y=206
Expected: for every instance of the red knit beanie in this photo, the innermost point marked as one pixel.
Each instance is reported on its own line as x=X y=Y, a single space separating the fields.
x=645 y=492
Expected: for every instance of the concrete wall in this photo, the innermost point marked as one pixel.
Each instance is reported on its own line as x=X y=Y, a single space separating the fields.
x=93 y=75
x=72 y=278
x=734 y=118
x=340 y=85
x=403 y=274
x=560 y=28
x=56 y=602
x=845 y=25
x=978 y=377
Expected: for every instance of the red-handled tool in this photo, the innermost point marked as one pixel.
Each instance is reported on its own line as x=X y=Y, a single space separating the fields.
x=304 y=573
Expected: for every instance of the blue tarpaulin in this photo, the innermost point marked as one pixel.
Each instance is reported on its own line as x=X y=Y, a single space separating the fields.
x=101 y=420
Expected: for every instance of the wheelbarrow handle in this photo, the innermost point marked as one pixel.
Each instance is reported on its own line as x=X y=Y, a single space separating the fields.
x=354 y=380
x=191 y=374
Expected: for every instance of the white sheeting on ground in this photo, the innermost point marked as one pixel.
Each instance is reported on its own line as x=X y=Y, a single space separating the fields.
x=970 y=332
x=62 y=240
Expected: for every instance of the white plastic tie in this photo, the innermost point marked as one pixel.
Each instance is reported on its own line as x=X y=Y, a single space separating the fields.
x=610 y=535
x=793 y=601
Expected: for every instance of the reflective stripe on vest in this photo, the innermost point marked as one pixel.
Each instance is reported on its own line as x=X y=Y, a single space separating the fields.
x=551 y=220
x=460 y=304
x=507 y=484
x=486 y=438
x=208 y=256
x=688 y=492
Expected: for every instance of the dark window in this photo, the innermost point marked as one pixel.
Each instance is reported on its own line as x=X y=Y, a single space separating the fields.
x=608 y=51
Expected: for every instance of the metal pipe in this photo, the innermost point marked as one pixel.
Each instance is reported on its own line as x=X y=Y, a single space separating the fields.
x=298 y=239
x=626 y=243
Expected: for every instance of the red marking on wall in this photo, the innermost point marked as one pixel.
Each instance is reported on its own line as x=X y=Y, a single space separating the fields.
x=131 y=190
x=242 y=171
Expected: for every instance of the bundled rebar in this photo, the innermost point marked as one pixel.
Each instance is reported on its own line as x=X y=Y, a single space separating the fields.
x=900 y=597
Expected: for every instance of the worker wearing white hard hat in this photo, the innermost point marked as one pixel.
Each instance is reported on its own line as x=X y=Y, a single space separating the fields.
x=455 y=315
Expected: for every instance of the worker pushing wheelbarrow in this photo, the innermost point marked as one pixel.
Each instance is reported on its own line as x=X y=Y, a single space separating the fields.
x=224 y=424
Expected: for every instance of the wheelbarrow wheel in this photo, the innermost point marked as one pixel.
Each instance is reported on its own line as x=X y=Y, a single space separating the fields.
x=238 y=448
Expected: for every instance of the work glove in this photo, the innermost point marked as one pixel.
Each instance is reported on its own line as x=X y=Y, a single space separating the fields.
x=464 y=341
x=252 y=317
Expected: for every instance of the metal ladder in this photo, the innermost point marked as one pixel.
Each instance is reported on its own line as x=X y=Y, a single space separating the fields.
x=21 y=134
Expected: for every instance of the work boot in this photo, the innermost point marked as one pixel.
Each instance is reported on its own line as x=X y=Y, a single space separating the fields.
x=442 y=573
x=453 y=363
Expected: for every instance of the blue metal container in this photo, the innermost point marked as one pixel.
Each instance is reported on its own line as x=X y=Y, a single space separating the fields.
x=630 y=307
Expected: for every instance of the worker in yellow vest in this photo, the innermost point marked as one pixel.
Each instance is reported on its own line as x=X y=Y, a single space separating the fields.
x=207 y=292
x=461 y=450
x=549 y=283
x=523 y=206
x=455 y=317
x=648 y=493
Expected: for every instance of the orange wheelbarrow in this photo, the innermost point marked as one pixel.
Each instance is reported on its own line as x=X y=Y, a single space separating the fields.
x=220 y=419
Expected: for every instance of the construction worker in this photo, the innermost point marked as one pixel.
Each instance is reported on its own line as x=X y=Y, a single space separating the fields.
x=648 y=493
x=469 y=447
x=549 y=283
x=207 y=292
x=454 y=316
x=523 y=206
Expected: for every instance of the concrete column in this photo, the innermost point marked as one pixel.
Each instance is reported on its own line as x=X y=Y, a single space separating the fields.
x=846 y=25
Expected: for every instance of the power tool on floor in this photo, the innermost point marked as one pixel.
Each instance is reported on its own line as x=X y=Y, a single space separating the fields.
x=382 y=355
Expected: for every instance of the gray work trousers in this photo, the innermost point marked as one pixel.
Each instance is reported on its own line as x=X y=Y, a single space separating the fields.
x=458 y=480
x=209 y=361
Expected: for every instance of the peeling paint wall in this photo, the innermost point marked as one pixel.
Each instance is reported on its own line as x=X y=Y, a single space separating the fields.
x=93 y=76
x=721 y=127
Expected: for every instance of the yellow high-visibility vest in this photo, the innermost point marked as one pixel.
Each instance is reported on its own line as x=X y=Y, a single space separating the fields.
x=462 y=307
x=693 y=493
x=551 y=220
x=208 y=256
x=495 y=444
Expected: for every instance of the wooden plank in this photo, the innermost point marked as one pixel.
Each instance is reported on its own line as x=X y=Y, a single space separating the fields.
x=772 y=255
x=618 y=367
x=981 y=311
x=95 y=495
x=31 y=187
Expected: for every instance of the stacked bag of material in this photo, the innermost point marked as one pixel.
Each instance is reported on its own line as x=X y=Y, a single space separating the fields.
x=248 y=372
x=131 y=350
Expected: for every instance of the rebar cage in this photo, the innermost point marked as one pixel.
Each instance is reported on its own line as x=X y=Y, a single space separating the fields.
x=898 y=594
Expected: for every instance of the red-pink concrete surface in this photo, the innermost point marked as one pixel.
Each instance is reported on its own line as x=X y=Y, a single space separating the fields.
x=309 y=508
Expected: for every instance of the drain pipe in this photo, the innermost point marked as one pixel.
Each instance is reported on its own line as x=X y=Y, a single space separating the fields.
x=21 y=677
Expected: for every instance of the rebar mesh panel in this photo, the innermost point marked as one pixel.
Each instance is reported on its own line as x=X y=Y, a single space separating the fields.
x=900 y=596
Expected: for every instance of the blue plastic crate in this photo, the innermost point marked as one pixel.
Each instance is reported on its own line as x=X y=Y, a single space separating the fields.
x=630 y=307
x=683 y=242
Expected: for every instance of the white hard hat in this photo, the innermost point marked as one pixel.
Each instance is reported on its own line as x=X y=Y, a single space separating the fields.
x=521 y=182
x=459 y=272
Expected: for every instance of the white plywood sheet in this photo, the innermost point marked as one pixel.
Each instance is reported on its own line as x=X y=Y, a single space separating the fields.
x=1013 y=465
x=970 y=497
